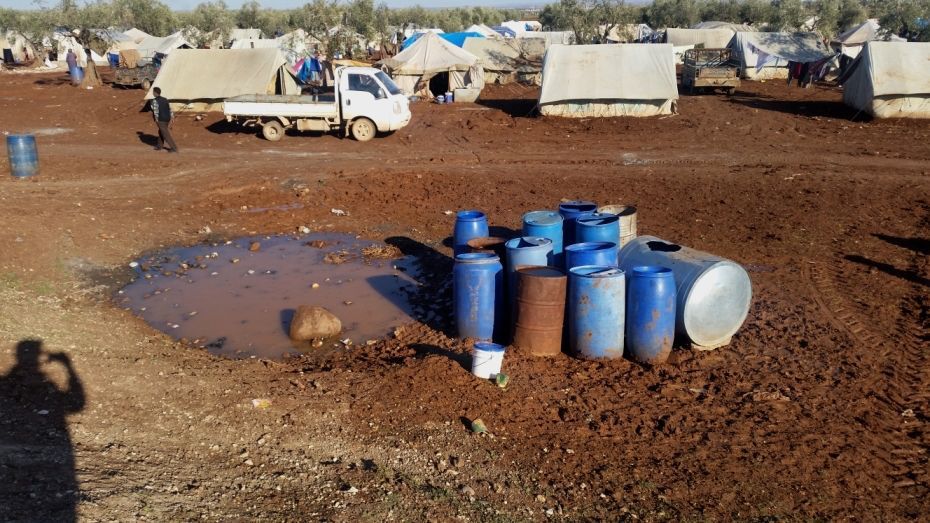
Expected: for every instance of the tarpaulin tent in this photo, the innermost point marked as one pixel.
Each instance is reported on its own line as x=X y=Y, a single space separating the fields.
x=763 y=56
x=890 y=80
x=851 y=42
x=136 y=35
x=153 y=45
x=552 y=37
x=627 y=33
x=485 y=31
x=259 y=43
x=506 y=61
x=430 y=60
x=736 y=28
x=706 y=38
x=608 y=80
x=244 y=34
x=456 y=39
x=200 y=79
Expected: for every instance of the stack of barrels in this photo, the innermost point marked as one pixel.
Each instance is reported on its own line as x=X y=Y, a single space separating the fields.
x=580 y=277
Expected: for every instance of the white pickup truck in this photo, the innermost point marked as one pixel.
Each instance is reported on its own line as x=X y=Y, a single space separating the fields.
x=364 y=102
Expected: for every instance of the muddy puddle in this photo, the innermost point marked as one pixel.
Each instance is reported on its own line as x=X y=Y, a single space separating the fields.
x=236 y=298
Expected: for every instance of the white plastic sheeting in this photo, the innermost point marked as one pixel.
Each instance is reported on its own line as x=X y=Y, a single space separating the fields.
x=780 y=48
x=891 y=80
x=608 y=80
x=213 y=75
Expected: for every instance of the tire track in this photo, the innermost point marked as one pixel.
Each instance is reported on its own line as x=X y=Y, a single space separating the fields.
x=902 y=382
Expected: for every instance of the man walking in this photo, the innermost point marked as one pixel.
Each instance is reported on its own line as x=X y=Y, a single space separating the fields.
x=161 y=111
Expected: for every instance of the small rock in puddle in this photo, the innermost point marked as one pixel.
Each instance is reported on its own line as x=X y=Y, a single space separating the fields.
x=244 y=307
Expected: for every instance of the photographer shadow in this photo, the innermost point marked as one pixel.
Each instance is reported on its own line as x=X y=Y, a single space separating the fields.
x=38 y=458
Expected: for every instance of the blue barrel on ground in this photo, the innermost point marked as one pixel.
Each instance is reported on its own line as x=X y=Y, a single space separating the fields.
x=546 y=224
x=597 y=227
x=714 y=293
x=591 y=253
x=570 y=211
x=23 y=154
x=468 y=225
x=77 y=74
x=650 y=313
x=596 y=311
x=477 y=295
x=524 y=251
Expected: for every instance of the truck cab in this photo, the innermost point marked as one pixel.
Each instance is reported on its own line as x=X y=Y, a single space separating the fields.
x=367 y=93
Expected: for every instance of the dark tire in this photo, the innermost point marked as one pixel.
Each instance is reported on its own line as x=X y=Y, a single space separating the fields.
x=363 y=130
x=731 y=91
x=273 y=130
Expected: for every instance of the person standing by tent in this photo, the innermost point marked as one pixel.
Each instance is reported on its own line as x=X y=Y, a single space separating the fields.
x=161 y=112
x=71 y=58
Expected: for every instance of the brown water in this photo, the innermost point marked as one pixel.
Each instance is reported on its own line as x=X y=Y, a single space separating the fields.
x=238 y=302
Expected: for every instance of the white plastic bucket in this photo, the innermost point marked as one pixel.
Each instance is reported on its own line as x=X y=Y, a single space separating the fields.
x=486 y=360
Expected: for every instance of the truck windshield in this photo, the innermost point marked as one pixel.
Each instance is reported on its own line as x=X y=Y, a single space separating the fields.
x=388 y=83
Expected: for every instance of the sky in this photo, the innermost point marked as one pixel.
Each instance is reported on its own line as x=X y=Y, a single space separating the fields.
x=183 y=5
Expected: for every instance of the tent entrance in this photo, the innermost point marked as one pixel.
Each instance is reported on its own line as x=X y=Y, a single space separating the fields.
x=439 y=83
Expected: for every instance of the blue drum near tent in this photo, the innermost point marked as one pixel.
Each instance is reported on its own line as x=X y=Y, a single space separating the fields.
x=591 y=253
x=570 y=211
x=597 y=227
x=596 y=311
x=527 y=250
x=477 y=295
x=23 y=154
x=77 y=74
x=468 y=225
x=650 y=313
x=546 y=224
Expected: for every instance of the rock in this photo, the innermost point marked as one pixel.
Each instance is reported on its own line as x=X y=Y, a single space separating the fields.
x=468 y=491
x=313 y=322
x=540 y=498
x=205 y=229
x=255 y=246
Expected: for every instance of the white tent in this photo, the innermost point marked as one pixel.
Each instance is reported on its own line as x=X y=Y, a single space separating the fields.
x=136 y=35
x=483 y=30
x=608 y=80
x=200 y=79
x=684 y=39
x=764 y=56
x=260 y=43
x=506 y=61
x=851 y=42
x=244 y=34
x=519 y=27
x=736 y=28
x=627 y=33
x=890 y=80
x=552 y=37
x=428 y=61
x=23 y=51
x=152 y=45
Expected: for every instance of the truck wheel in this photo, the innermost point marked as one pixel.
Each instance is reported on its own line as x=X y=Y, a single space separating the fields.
x=146 y=84
x=363 y=129
x=731 y=91
x=272 y=131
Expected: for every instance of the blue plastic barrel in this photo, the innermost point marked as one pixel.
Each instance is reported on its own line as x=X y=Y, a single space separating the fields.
x=468 y=225
x=477 y=295
x=596 y=311
x=650 y=313
x=77 y=74
x=597 y=227
x=591 y=253
x=23 y=154
x=570 y=211
x=546 y=224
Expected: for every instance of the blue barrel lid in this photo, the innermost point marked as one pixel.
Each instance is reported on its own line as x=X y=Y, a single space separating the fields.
x=542 y=218
x=652 y=271
x=487 y=346
x=597 y=271
x=577 y=206
x=597 y=218
x=591 y=246
x=469 y=215
x=528 y=242
x=477 y=257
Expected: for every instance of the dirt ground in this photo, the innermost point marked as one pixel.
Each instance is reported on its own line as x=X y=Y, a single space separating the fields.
x=818 y=410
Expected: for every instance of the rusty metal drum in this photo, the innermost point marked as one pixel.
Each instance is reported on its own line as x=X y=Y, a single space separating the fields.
x=540 y=310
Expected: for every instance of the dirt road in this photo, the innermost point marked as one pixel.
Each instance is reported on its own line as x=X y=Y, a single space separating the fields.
x=817 y=410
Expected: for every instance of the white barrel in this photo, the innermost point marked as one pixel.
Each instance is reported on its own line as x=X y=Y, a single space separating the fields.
x=627 y=214
x=714 y=293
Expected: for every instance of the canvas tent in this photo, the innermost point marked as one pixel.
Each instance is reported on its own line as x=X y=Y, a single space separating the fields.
x=200 y=79
x=890 y=80
x=432 y=66
x=456 y=39
x=763 y=56
x=583 y=81
x=485 y=31
x=23 y=50
x=627 y=33
x=136 y=35
x=506 y=61
x=153 y=45
x=851 y=42
x=260 y=43
x=706 y=38
x=735 y=28
x=244 y=34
